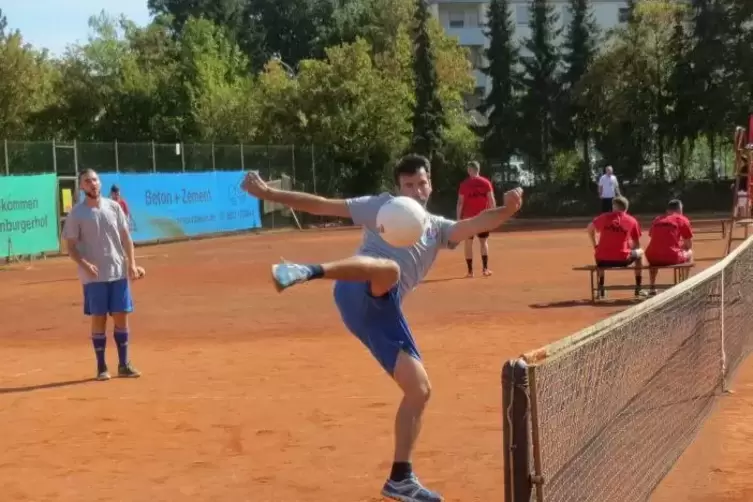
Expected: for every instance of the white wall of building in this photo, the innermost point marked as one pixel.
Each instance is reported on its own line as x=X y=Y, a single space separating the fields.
x=466 y=20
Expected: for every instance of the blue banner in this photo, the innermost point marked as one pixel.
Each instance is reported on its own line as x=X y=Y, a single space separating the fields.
x=171 y=205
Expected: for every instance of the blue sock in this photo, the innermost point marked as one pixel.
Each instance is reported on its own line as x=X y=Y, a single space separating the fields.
x=121 y=339
x=315 y=271
x=99 y=340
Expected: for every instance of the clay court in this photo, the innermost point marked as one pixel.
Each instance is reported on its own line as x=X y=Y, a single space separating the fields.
x=250 y=395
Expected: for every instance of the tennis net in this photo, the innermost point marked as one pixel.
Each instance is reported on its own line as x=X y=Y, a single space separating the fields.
x=604 y=414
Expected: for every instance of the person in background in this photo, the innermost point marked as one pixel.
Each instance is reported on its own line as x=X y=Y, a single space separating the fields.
x=619 y=243
x=609 y=188
x=476 y=195
x=115 y=195
x=671 y=241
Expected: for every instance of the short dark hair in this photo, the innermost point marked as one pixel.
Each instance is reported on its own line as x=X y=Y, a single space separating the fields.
x=411 y=164
x=675 y=205
x=85 y=172
x=620 y=203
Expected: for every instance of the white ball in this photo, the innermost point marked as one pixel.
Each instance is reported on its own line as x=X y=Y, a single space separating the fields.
x=402 y=221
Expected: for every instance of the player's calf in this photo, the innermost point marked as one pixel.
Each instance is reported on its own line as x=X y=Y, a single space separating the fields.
x=381 y=274
x=121 y=335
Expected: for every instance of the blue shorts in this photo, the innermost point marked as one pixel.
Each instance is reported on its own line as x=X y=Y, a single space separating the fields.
x=378 y=322
x=102 y=298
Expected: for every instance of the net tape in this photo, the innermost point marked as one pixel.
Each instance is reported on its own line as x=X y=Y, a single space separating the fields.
x=614 y=406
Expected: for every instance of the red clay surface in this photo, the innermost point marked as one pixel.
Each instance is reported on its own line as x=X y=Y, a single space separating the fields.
x=250 y=395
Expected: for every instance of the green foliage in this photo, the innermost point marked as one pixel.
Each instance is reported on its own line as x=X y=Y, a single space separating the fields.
x=501 y=135
x=542 y=89
x=428 y=113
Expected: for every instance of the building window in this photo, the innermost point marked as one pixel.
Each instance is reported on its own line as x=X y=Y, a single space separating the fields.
x=522 y=14
x=457 y=19
x=476 y=56
x=623 y=16
x=567 y=16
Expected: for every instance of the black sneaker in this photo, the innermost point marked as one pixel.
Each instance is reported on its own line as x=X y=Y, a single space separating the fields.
x=128 y=371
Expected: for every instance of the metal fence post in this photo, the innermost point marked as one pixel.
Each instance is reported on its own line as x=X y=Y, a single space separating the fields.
x=117 y=160
x=54 y=157
x=154 y=158
x=292 y=158
x=75 y=156
x=214 y=166
x=182 y=156
x=7 y=163
x=313 y=167
x=243 y=163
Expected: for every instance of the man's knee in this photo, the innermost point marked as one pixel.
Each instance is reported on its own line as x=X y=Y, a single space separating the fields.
x=120 y=320
x=411 y=376
x=386 y=275
x=98 y=322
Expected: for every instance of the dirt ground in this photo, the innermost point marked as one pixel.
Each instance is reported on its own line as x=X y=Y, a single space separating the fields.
x=250 y=395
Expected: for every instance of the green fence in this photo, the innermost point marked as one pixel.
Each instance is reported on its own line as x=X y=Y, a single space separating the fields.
x=68 y=159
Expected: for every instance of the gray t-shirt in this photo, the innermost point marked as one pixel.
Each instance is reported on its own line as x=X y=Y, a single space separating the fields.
x=96 y=231
x=414 y=261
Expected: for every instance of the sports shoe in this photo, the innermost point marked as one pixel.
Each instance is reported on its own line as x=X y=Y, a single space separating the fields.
x=287 y=274
x=409 y=490
x=128 y=371
x=103 y=374
x=487 y=272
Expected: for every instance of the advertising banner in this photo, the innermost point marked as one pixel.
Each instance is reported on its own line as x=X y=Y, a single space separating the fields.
x=28 y=215
x=173 y=205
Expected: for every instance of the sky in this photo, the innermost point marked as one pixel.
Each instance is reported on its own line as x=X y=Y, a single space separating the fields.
x=54 y=24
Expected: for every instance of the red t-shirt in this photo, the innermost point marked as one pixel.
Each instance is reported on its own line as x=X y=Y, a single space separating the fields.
x=124 y=206
x=617 y=231
x=475 y=192
x=667 y=234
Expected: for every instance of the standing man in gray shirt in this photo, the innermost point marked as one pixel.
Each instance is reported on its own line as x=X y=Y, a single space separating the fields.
x=369 y=288
x=98 y=240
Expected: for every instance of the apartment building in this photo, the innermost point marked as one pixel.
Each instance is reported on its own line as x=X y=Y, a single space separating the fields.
x=466 y=20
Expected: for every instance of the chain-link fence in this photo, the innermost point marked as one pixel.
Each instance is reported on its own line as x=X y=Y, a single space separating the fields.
x=297 y=165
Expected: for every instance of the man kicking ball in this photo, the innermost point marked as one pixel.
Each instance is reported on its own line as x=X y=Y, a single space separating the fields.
x=98 y=240
x=370 y=286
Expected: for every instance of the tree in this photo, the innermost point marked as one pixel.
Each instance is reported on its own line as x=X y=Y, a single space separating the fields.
x=500 y=136
x=579 y=53
x=713 y=94
x=346 y=105
x=680 y=124
x=428 y=114
x=26 y=83
x=542 y=88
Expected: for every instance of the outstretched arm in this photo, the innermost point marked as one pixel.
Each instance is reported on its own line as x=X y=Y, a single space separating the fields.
x=489 y=219
x=298 y=201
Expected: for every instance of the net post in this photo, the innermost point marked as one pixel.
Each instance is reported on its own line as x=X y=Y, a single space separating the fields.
x=516 y=431
x=723 y=358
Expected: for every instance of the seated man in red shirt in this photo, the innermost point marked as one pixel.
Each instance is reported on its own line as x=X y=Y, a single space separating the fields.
x=671 y=240
x=619 y=242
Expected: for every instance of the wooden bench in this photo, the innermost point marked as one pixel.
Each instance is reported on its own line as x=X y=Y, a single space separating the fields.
x=680 y=273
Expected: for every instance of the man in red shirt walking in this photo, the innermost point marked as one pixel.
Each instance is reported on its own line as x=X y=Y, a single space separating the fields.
x=619 y=242
x=476 y=195
x=671 y=240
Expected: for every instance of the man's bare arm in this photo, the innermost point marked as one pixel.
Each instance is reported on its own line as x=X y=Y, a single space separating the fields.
x=489 y=219
x=70 y=245
x=459 y=207
x=491 y=202
x=298 y=201
x=130 y=250
x=591 y=229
